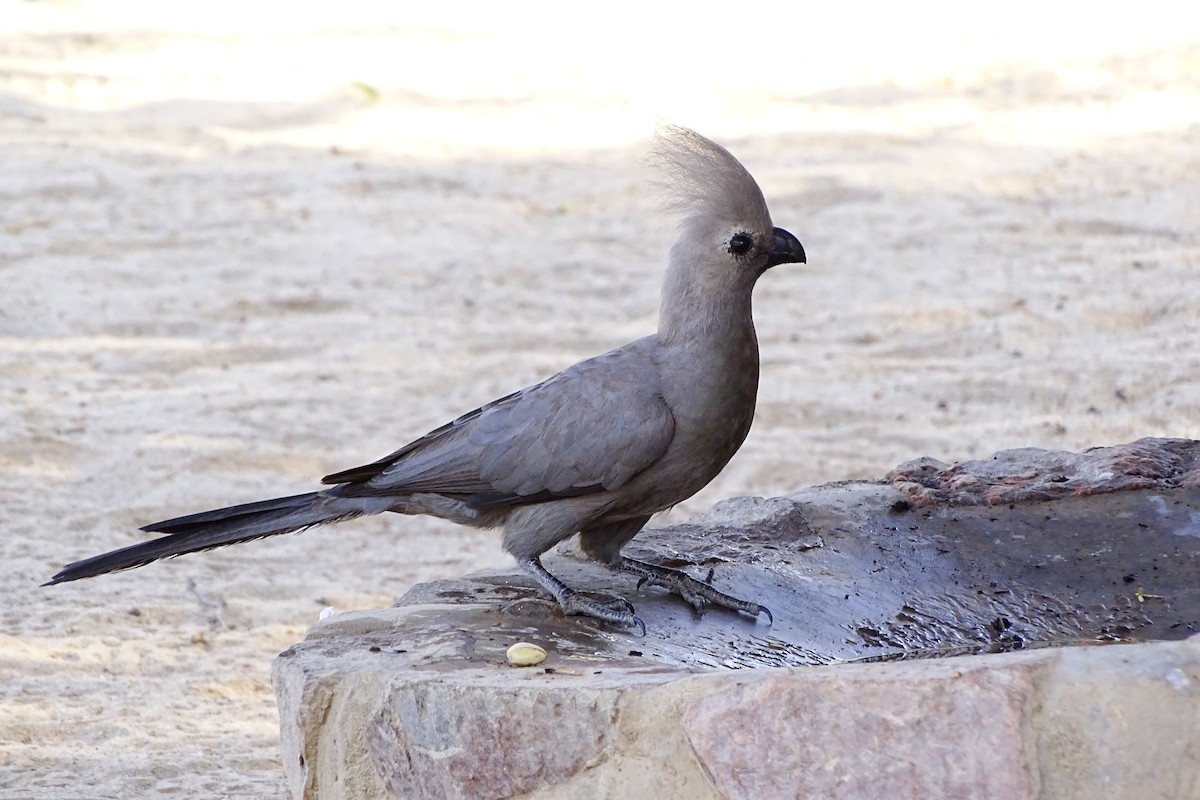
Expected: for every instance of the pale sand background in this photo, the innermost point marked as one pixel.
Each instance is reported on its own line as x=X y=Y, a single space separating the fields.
x=227 y=270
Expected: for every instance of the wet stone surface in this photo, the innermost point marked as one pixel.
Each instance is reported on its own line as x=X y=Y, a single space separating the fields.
x=860 y=576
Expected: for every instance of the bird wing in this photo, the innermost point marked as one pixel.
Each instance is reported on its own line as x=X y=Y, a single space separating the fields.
x=589 y=428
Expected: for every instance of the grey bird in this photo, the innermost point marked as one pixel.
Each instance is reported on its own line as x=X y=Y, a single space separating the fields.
x=596 y=449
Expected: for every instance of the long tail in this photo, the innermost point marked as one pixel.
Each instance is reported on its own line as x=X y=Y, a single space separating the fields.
x=223 y=526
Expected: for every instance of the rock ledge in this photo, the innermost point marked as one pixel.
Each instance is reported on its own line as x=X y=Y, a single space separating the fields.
x=847 y=695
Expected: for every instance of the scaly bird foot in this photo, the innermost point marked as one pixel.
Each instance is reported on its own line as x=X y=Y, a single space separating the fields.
x=698 y=594
x=618 y=610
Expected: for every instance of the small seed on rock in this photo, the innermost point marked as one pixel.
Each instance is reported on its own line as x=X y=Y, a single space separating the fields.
x=524 y=654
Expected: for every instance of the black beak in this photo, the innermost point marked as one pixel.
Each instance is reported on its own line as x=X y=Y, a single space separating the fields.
x=785 y=249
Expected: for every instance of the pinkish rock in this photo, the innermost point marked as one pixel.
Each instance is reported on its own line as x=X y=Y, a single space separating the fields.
x=913 y=730
x=1031 y=474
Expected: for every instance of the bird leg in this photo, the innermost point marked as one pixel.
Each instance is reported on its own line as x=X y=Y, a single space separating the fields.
x=619 y=612
x=697 y=593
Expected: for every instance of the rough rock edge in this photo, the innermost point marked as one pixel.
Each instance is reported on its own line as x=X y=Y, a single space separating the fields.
x=1063 y=723
x=1031 y=474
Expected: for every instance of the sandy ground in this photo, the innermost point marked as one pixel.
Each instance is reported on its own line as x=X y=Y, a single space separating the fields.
x=252 y=245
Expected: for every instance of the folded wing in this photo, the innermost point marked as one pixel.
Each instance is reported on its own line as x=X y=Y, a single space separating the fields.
x=590 y=428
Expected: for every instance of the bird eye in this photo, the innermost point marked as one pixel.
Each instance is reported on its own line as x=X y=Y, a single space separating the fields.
x=740 y=244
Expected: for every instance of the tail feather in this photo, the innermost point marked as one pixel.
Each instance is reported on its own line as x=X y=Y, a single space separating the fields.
x=247 y=511
x=220 y=527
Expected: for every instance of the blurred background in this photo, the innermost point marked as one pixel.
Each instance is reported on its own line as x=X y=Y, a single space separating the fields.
x=246 y=244
x=399 y=78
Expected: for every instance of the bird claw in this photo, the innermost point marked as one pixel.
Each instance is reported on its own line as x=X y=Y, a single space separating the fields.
x=616 y=610
x=619 y=611
x=618 y=604
x=698 y=594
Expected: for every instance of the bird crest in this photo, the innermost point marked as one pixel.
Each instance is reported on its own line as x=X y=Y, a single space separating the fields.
x=703 y=181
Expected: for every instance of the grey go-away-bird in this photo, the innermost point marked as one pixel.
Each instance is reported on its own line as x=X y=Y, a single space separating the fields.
x=598 y=448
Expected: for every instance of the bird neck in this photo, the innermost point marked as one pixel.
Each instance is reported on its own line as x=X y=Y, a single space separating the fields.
x=709 y=344
x=714 y=312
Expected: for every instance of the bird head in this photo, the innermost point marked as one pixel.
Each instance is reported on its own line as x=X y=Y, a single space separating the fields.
x=726 y=231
